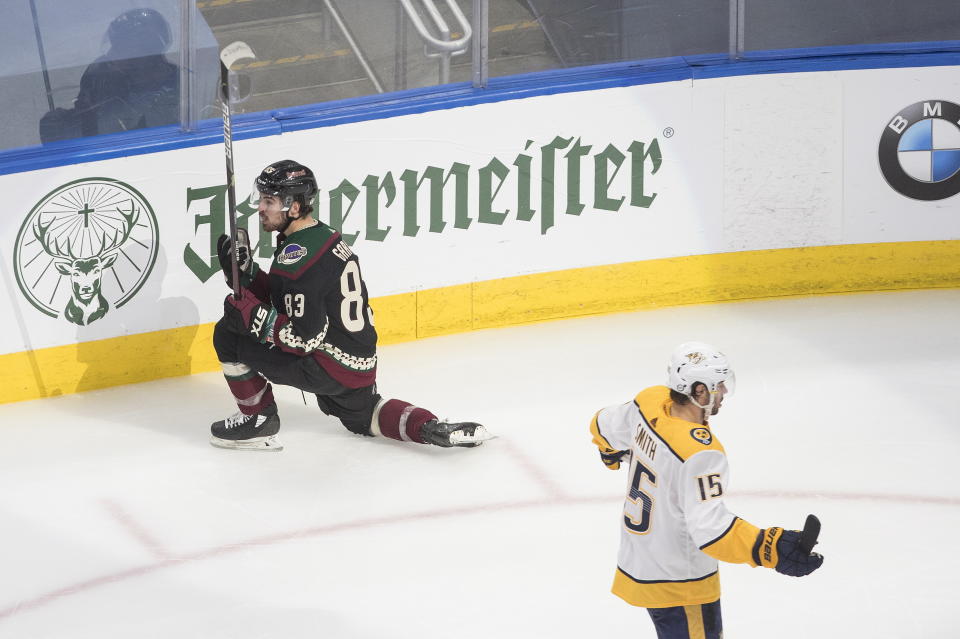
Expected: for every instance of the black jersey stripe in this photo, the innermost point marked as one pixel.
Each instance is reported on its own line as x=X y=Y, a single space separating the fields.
x=665 y=581
x=721 y=535
x=653 y=430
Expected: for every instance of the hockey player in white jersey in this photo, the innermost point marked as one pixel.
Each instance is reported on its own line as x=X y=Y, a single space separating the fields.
x=675 y=526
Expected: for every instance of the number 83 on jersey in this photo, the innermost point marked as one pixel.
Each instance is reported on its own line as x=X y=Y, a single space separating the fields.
x=351 y=305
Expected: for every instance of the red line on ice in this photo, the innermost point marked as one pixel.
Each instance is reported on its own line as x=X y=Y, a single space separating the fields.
x=317 y=531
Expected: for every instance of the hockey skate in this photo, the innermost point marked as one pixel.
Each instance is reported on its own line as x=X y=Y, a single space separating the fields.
x=247 y=432
x=449 y=434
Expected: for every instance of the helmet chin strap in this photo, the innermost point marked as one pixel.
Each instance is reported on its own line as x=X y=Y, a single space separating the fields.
x=707 y=408
x=286 y=218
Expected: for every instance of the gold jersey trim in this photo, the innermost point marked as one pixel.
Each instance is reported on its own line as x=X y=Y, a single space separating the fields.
x=735 y=545
x=666 y=594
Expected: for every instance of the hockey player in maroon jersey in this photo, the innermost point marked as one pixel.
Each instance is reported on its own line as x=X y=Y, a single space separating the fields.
x=308 y=324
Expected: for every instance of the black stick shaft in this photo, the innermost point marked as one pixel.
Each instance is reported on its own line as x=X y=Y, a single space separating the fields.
x=231 y=181
x=43 y=56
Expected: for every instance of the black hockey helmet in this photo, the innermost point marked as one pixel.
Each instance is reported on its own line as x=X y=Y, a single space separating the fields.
x=289 y=180
x=139 y=32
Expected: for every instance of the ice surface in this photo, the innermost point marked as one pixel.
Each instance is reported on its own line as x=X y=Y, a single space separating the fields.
x=120 y=520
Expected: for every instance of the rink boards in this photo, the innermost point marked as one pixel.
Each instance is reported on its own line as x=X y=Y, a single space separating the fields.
x=678 y=192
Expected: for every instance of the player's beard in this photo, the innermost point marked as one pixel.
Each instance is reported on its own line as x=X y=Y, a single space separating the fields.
x=269 y=226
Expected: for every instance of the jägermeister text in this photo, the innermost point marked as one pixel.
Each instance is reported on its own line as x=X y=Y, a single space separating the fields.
x=381 y=197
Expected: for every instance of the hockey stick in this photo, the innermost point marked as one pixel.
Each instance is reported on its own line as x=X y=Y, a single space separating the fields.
x=230 y=54
x=808 y=538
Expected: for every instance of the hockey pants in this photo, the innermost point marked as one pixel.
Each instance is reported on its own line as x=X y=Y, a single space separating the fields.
x=700 y=621
x=352 y=406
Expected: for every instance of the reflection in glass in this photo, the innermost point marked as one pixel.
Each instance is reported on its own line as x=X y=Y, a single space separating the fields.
x=132 y=86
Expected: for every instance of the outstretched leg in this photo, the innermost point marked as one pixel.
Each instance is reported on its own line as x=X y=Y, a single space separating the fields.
x=365 y=412
x=402 y=421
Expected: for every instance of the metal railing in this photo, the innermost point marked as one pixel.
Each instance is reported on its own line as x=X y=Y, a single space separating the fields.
x=481 y=43
x=354 y=46
x=437 y=40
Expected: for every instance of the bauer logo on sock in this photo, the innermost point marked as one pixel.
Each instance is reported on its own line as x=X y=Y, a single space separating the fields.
x=919 y=150
x=291 y=254
x=702 y=435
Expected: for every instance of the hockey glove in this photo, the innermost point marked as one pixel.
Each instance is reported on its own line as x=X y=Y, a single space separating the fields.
x=257 y=318
x=780 y=549
x=248 y=268
x=613 y=458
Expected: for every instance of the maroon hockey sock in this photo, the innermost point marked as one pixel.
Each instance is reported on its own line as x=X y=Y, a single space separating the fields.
x=250 y=389
x=402 y=421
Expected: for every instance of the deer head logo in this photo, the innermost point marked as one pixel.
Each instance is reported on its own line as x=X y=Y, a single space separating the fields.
x=87 y=302
x=87 y=247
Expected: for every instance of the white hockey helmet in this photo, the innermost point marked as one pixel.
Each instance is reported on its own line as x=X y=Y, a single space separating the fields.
x=693 y=362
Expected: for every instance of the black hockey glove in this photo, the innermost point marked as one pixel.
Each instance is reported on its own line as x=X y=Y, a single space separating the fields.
x=252 y=316
x=780 y=549
x=246 y=265
x=612 y=459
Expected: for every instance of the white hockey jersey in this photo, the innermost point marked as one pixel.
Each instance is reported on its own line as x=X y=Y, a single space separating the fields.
x=675 y=525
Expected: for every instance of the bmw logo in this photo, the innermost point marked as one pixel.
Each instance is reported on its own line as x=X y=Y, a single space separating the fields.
x=920 y=150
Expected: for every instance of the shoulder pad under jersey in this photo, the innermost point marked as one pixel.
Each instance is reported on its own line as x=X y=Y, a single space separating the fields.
x=302 y=249
x=684 y=438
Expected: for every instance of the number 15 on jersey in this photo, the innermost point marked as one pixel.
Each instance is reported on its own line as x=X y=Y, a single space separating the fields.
x=639 y=509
